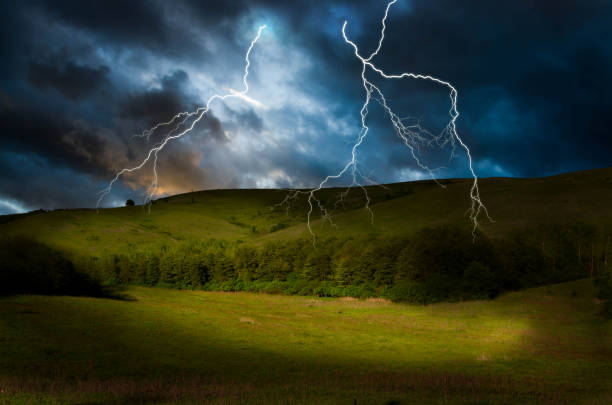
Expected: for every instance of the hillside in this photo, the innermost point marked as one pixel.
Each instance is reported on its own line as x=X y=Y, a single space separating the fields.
x=252 y=215
x=106 y=337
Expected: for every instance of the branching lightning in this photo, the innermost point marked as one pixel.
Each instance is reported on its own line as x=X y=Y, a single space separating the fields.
x=182 y=126
x=411 y=133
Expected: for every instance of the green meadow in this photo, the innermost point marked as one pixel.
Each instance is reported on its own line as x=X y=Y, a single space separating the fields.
x=543 y=345
x=331 y=334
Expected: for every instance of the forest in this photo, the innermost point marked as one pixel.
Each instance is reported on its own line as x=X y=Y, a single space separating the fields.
x=444 y=263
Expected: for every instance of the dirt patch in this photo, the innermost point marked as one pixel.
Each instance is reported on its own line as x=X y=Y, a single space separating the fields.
x=251 y=321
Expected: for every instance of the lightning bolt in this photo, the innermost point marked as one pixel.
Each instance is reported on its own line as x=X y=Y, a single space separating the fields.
x=182 y=126
x=412 y=135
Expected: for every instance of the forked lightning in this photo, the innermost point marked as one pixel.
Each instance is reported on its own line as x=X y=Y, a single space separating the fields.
x=411 y=133
x=182 y=126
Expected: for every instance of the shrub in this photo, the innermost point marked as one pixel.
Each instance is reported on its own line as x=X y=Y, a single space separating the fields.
x=604 y=284
x=607 y=309
x=29 y=267
x=479 y=282
x=274 y=287
x=278 y=227
x=407 y=292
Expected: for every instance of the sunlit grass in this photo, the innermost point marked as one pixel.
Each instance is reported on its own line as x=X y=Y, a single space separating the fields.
x=541 y=345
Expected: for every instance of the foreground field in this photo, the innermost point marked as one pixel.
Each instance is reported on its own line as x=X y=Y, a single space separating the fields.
x=545 y=345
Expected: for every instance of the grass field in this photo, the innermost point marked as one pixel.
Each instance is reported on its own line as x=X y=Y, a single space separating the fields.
x=544 y=345
x=251 y=215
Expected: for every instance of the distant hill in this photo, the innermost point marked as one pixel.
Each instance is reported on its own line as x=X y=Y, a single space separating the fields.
x=254 y=216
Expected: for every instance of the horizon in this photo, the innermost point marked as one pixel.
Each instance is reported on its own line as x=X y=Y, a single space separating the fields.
x=120 y=204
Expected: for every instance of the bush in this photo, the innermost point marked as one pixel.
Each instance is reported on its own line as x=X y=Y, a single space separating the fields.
x=278 y=227
x=607 y=309
x=479 y=282
x=604 y=284
x=29 y=267
x=296 y=286
x=408 y=292
x=275 y=287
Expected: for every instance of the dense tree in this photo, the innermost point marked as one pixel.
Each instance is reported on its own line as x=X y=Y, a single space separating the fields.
x=478 y=281
x=223 y=268
x=152 y=270
x=434 y=264
x=245 y=262
x=317 y=266
x=29 y=267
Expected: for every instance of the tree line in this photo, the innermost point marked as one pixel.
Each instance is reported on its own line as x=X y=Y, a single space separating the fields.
x=435 y=264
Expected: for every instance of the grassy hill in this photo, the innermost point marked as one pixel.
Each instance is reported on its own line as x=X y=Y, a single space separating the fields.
x=253 y=215
x=544 y=345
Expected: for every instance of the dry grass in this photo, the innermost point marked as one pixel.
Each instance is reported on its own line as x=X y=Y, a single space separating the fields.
x=402 y=388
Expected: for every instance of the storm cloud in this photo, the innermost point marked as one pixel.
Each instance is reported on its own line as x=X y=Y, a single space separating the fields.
x=81 y=79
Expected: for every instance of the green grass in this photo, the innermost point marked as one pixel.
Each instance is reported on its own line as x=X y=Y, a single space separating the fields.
x=251 y=215
x=544 y=345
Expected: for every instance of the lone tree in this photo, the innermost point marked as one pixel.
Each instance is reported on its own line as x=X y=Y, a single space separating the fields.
x=129 y=203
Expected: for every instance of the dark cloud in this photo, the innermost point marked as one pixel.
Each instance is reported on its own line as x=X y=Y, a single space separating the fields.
x=134 y=22
x=70 y=79
x=157 y=105
x=78 y=79
x=60 y=141
x=149 y=107
x=34 y=183
x=218 y=12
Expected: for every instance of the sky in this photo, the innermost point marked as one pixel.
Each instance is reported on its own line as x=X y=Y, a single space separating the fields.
x=79 y=79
